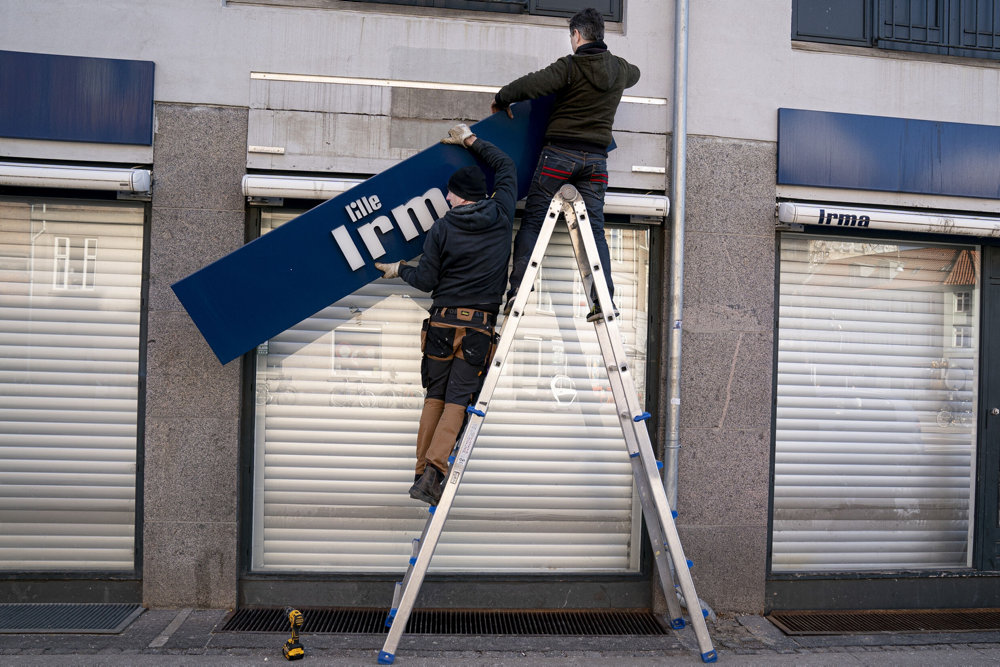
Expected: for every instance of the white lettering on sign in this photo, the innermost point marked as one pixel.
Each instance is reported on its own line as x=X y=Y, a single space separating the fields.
x=351 y=254
x=362 y=207
x=423 y=210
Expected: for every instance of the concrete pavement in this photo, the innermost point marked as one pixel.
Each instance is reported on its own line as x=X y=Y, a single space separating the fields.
x=162 y=637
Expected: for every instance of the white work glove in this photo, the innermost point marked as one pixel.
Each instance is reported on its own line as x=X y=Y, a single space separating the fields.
x=458 y=135
x=389 y=270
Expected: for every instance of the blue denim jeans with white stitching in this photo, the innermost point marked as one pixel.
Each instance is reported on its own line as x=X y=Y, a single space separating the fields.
x=588 y=172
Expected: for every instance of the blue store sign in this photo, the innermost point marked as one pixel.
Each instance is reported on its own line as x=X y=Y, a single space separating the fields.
x=293 y=272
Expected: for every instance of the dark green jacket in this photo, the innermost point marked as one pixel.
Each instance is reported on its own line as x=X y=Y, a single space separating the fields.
x=588 y=86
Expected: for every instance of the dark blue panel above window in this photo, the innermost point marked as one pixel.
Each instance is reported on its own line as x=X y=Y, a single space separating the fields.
x=838 y=150
x=70 y=98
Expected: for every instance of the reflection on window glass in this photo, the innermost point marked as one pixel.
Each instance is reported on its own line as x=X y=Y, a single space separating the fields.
x=875 y=426
x=70 y=308
x=337 y=407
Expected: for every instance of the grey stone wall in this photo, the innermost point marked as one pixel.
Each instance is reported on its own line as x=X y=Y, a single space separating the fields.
x=726 y=368
x=191 y=484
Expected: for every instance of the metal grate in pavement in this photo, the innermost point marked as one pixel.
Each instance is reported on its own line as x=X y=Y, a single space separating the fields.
x=453 y=622
x=18 y=618
x=876 y=621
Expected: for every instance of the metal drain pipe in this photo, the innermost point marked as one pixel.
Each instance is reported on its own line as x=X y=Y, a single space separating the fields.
x=678 y=157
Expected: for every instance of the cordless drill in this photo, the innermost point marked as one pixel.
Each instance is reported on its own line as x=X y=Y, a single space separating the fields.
x=293 y=650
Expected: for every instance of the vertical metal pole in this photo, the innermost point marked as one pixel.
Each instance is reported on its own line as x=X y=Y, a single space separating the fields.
x=678 y=185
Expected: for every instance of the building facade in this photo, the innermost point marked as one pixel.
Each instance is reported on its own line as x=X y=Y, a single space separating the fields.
x=838 y=442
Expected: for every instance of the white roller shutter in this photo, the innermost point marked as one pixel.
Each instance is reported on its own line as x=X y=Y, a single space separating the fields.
x=876 y=404
x=70 y=278
x=549 y=486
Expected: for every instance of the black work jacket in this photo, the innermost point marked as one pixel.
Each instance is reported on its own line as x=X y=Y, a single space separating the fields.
x=588 y=86
x=467 y=250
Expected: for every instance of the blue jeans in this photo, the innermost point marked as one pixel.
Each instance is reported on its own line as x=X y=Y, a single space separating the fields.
x=557 y=167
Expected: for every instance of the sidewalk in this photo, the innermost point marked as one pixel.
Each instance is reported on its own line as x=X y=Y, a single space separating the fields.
x=185 y=637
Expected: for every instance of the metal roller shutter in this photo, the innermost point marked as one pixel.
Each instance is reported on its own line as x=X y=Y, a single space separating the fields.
x=875 y=428
x=70 y=280
x=549 y=487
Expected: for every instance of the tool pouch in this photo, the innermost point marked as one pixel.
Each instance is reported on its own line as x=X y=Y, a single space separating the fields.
x=442 y=341
x=475 y=347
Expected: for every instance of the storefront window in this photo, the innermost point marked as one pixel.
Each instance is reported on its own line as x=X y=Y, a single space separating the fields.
x=875 y=426
x=70 y=299
x=549 y=486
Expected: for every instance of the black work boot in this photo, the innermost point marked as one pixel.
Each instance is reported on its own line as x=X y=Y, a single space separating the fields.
x=595 y=314
x=429 y=487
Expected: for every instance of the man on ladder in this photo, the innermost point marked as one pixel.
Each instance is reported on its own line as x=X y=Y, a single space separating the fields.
x=464 y=266
x=657 y=513
x=588 y=86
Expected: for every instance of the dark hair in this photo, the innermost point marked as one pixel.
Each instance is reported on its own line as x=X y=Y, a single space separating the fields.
x=590 y=23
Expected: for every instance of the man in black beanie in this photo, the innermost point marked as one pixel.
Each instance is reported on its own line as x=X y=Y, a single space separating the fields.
x=464 y=266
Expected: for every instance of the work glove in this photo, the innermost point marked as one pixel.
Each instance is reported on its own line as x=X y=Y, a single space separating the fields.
x=389 y=270
x=458 y=135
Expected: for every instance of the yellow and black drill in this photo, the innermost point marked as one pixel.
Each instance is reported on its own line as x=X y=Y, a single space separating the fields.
x=293 y=650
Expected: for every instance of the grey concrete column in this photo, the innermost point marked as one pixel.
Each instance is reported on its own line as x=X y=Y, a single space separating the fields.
x=726 y=369
x=191 y=480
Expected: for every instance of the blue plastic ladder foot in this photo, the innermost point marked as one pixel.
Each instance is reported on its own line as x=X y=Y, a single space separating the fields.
x=677 y=623
x=388 y=619
x=386 y=658
x=707 y=656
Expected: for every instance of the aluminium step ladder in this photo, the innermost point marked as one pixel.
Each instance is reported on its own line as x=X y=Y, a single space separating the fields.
x=658 y=515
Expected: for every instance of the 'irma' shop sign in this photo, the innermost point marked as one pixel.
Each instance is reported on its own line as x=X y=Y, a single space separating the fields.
x=328 y=252
x=844 y=219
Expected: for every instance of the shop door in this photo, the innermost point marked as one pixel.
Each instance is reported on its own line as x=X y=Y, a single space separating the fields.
x=989 y=460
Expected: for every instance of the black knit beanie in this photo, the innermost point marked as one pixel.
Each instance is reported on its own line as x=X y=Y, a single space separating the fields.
x=468 y=183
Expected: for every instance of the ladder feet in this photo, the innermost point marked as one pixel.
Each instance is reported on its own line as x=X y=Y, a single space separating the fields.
x=709 y=656
x=677 y=623
x=390 y=617
x=386 y=658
